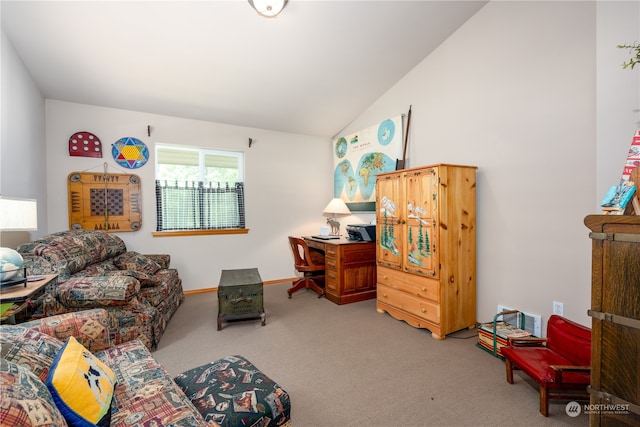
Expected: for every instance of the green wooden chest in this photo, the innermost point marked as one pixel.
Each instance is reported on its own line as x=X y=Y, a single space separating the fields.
x=240 y=296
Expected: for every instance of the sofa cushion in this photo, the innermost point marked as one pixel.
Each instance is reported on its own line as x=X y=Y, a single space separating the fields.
x=89 y=327
x=137 y=262
x=570 y=339
x=146 y=280
x=536 y=362
x=25 y=399
x=64 y=261
x=98 y=269
x=30 y=348
x=103 y=291
x=81 y=386
x=72 y=251
x=145 y=393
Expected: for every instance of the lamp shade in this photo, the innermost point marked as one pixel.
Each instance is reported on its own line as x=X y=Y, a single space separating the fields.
x=336 y=207
x=268 y=8
x=18 y=214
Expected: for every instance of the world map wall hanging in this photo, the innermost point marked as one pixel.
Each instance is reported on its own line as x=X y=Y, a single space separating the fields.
x=359 y=157
x=102 y=201
x=130 y=152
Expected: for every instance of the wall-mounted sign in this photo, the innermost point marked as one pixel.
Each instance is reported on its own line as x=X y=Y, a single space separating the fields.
x=85 y=144
x=101 y=201
x=130 y=152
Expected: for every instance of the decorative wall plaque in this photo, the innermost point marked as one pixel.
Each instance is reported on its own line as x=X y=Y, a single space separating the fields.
x=130 y=152
x=104 y=201
x=85 y=144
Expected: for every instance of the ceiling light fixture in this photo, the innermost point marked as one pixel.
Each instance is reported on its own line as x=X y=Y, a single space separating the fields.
x=268 y=8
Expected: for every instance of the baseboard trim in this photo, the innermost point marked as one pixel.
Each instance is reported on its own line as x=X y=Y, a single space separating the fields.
x=206 y=290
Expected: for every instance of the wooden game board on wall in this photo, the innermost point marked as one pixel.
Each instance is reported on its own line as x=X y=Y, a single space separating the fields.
x=101 y=201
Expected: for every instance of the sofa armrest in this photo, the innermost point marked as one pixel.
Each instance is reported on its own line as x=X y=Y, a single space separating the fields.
x=37 y=265
x=89 y=327
x=164 y=260
x=560 y=370
x=93 y=292
x=526 y=341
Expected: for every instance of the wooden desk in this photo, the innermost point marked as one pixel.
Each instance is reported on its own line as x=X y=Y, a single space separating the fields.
x=350 y=269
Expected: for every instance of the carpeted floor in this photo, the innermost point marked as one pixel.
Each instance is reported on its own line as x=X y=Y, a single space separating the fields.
x=351 y=366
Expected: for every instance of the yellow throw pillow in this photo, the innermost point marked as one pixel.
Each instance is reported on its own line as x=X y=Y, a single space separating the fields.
x=81 y=386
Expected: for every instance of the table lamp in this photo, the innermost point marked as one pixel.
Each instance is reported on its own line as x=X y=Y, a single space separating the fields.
x=335 y=207
x=15 y=215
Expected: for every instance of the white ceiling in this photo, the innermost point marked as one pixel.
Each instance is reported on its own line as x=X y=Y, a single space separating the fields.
x=312 y=70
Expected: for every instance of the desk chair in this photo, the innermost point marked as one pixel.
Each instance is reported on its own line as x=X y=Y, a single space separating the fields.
x=307 y=265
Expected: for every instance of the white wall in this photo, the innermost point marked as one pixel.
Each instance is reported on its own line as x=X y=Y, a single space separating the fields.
x=513 y=92
x=22 y=149
x=618 y=90
x=287 y=184
x=524 y=90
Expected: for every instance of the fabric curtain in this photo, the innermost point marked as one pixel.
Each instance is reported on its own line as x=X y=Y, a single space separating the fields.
x=199 y=206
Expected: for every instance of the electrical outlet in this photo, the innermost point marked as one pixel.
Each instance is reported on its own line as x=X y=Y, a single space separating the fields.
x=558 y=308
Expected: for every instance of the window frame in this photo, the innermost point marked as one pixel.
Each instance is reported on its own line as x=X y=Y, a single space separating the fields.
x=202 y=152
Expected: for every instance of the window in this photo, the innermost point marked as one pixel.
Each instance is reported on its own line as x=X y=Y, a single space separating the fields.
x=199 y=189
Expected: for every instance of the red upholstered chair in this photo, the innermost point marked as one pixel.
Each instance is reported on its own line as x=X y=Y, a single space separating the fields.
x=311 y=267
x=560 y=363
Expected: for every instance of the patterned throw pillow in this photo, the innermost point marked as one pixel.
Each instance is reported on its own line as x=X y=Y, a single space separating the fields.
x=82 y=386
x=137 y=262
x=25 y=399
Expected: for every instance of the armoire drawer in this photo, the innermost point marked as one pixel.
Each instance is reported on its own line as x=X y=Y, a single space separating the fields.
x=409 y=283
x=417 y=306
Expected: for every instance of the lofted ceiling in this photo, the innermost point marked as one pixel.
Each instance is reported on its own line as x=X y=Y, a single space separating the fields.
x=312 y=70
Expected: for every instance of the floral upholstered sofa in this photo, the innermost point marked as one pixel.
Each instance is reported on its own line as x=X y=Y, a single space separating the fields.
x=144 y=393
x=95 y=270
x=230 y=392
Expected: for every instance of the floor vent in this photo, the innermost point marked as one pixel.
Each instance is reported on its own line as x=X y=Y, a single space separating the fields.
x=532 y=322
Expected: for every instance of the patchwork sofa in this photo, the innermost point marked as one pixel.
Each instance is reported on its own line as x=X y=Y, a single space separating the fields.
x=229 y=392
x=95 y=270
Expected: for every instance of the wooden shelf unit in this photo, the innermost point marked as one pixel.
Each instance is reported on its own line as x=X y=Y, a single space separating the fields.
x=615 y=313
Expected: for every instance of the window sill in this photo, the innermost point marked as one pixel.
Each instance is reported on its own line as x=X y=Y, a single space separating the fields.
x=199 y=232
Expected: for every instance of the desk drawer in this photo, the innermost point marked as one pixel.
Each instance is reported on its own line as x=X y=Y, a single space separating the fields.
x=417 y=306
x=331 y=280
x=315 y=245
x=358 y=253
x=410 y=283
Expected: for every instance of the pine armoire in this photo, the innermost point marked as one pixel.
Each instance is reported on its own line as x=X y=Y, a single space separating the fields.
x=426 y=247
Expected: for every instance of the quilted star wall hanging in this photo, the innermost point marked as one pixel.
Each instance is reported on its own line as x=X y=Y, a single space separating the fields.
x=130 y=152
